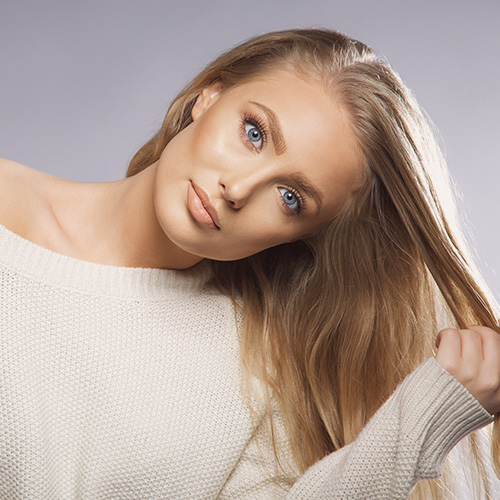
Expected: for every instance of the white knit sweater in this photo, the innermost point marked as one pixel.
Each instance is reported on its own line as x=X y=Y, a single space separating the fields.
x=124 y=383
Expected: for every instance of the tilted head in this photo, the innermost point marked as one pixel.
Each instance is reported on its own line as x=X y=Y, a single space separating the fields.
x=387 y=136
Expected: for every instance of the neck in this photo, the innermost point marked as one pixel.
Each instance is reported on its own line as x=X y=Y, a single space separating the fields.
x=114 y=223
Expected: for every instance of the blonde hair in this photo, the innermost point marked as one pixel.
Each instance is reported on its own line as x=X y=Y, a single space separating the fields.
x=333 y=323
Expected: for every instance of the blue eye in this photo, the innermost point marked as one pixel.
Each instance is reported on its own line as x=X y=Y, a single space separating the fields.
x=290 y=200
x=254 y=134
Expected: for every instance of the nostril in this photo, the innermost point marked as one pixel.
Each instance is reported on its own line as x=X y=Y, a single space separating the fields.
x=231 y=194
x=225 y=194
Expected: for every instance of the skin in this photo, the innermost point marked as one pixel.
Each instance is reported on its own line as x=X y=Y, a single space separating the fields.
x=145 y=220
x=472 y=356
x=244 y=179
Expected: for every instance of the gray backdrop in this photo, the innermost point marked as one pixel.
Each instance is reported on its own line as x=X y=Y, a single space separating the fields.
x=84 y=84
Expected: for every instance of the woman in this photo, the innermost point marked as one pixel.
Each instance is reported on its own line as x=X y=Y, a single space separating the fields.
x=237 y=317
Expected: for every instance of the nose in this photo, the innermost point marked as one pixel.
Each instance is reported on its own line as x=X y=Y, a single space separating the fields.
x=238 y=187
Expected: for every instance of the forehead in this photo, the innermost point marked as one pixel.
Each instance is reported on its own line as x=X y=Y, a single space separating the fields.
x=320 y=141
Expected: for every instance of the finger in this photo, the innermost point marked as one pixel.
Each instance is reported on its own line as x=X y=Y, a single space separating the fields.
x=449 y=346
x=488 y=381
x=447 y=335
x=491 y=347
x=486 y=334
x=471 y=354
x=472 y=344
x=443 y=333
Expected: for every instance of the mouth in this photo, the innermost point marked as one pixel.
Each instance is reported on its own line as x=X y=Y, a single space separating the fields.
x=201 y=207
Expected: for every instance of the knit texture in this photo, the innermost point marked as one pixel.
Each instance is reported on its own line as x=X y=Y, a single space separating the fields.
x=125 y=383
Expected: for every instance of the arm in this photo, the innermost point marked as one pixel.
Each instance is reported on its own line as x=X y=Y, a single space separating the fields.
x=406 y=440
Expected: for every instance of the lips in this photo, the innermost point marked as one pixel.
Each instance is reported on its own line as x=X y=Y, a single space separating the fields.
x=201 y=207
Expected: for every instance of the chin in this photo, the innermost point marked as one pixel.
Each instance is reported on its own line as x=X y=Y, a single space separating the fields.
x=205 y=249
x=220 y=254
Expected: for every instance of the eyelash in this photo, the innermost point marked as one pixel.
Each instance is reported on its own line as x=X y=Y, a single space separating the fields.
x=301 y=201
x=260 y=124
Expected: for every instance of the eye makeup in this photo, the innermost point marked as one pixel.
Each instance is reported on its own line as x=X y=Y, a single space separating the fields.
x=255 y=121
x=259 y=124
x=288 y=202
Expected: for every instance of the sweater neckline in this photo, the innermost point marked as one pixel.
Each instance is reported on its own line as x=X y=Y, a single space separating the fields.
x=34 y=261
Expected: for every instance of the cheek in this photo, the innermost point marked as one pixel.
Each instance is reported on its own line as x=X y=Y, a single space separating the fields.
x=213 y=140
x=264 y=232
x=173 y=156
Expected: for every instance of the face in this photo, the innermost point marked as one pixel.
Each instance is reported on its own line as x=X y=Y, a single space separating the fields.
x=263 y=163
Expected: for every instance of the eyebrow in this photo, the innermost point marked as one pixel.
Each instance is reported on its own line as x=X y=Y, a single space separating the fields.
x=274 y=126
x=308 y=188
x=280 y=147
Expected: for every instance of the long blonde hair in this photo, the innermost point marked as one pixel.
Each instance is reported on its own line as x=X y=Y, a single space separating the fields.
x=333 y=323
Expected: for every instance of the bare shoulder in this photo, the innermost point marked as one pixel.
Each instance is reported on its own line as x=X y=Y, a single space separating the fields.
x=19 y=195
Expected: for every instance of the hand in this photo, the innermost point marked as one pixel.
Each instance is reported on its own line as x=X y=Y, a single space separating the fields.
x=472 y=356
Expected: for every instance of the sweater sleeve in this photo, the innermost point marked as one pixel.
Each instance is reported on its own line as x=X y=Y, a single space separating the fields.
x=406 y=440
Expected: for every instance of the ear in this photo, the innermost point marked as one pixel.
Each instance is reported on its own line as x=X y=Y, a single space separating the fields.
x=207 y=97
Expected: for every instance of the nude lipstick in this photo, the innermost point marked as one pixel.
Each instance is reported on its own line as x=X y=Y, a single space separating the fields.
x=201 y=207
